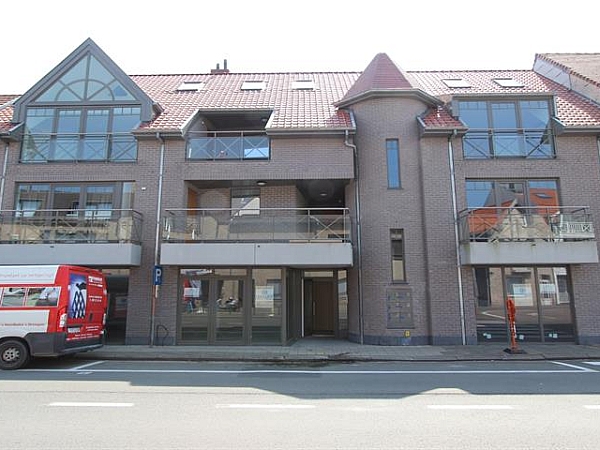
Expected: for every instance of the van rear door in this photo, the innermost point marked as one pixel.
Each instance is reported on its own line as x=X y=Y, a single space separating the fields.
x=87 y=306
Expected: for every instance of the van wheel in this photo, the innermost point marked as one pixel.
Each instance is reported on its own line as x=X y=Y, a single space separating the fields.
x=13 y=355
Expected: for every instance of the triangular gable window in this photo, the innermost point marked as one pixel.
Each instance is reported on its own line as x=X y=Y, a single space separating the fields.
x=86 y=81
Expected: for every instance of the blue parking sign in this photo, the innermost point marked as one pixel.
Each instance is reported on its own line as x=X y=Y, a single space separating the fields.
x=157 y=275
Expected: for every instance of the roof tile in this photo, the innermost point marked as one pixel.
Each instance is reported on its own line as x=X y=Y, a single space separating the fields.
x=292 y=108
x=380 y=74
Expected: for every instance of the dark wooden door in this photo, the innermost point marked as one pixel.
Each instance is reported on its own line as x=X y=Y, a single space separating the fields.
x=323 y=307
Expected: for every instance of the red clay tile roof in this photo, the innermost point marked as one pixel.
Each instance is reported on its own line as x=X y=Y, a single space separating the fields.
x=584 y=65
x=440 y=118
x=380 y=74
x=6 y=112
x=315 y=109
x=293 y=109
x=572 y=109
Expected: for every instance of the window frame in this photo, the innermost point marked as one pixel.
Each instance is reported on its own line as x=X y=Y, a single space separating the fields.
x=242 y=193
x=518 y=142
x=397 y=238
x=81 y=137
x=122 y=195
x=496 y=186
x=392 y=155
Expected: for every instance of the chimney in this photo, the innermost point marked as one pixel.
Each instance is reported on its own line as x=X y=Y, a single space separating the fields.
x=219 y=70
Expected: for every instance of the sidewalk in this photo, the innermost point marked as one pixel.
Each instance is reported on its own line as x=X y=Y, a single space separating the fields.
x=324 y=349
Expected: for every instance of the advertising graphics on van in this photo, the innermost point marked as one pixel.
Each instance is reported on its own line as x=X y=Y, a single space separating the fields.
x=77 y=296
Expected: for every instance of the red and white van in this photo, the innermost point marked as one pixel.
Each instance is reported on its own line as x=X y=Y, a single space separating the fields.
x=49 y=311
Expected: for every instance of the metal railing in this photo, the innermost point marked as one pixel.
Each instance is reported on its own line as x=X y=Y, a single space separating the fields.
x=551 y=223
x=509 y=143
x=257 y=225
x=67 y=147
x=70 y=226
x=238 y=145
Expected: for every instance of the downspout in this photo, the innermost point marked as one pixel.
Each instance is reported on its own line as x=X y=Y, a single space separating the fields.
x=461 y=300
x=4 y=169
x=156 y=289
x=358 y=239
x=597 y=145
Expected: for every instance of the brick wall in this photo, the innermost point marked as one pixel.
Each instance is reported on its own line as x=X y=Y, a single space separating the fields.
x=576 y=169
x=383 y=209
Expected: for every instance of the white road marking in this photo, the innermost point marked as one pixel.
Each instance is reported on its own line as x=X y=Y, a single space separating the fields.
x=583 y=369
x=320 y=372
x=591 y=406
x=85 y=366
x=91 y=404
x=263 y=406
x=569 y=368
x=471 y=407
x=593 y=363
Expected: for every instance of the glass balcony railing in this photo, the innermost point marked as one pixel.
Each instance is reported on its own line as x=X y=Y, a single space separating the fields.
x=257 y=225
x=238 y=145
x=113 y=147
x=506 y=144
x=70 y=225
x=550 y=223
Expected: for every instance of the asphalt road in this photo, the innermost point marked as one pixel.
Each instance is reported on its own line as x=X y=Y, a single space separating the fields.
x=74 y=404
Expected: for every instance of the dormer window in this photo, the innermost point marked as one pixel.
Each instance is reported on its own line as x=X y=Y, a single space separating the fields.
x=253 y=85
x=507 y=129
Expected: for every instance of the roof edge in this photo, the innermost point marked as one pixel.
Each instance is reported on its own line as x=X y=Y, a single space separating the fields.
x=374 y=93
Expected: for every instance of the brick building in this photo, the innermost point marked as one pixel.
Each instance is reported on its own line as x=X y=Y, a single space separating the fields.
x=383 y=206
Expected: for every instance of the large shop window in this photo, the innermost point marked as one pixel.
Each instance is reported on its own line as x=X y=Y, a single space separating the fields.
x=231 y=306
x=500 y=129
x=80 y=134
x=542 y=299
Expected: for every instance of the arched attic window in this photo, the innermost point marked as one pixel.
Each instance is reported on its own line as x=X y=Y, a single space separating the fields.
x=86 y=81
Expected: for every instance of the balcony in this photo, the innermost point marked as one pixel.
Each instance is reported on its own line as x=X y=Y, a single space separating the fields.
x=73 y=236
x=89 y=147
x=527 y=235
x=536 y=144
x=236 y=145
x=295 y=237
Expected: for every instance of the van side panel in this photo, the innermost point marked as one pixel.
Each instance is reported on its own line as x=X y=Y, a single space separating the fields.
x=55 y=309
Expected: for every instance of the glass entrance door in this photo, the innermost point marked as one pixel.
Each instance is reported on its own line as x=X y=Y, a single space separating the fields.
x=212 y=308
x=521 y=287
x=229 y=310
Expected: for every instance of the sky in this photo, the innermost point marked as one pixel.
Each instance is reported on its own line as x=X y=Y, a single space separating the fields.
x=193 y=36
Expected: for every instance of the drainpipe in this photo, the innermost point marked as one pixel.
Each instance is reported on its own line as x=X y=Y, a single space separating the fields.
x=156 y=289
x=597 y=145
x=4 y=169
x=358 y=238
x=461 y=300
